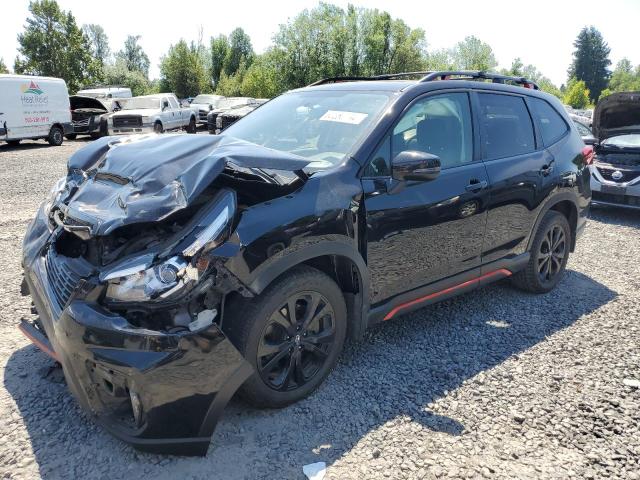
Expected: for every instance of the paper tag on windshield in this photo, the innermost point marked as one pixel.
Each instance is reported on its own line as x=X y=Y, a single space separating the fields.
x=354 y=118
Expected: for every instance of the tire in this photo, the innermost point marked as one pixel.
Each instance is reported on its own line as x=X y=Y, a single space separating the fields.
x=191 y=128
x=157 y=127
x=549 y=255
x=289 y=362
x=56 y=136
x=71 y=136
x=13 y=143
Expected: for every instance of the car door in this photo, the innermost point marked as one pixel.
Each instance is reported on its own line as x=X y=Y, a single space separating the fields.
x=176 y=113
x=421 y=232
x=520 y=172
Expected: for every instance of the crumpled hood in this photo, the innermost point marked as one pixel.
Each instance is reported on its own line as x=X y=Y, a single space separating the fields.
x=617 y=114
x=146 y=178
x=78 y=101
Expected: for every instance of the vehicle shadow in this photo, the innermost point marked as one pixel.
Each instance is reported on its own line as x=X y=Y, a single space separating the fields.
x=391 y=376
x=615 y=215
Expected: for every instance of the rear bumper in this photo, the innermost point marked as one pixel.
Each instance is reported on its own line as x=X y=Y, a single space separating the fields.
x=160 y=392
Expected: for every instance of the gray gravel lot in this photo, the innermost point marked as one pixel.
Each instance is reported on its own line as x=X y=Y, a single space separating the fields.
x=496 y=383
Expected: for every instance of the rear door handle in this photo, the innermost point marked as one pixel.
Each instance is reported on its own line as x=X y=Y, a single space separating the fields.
x=476 y=185
x=547 y=168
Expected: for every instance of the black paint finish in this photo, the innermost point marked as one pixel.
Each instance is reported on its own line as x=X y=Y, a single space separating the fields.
x=386 y=242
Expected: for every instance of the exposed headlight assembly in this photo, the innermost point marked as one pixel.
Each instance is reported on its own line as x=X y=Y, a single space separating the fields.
x=142 y=281
x=54 y=194
x=214 y=227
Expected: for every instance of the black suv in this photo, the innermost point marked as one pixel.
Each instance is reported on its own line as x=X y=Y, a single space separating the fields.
x=169 y=271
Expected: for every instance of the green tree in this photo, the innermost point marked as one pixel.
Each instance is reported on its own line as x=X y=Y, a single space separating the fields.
x=134 y=56
x=577 y=94
x=99 y=42
x=261 y=78
x=231 y=85
x=3 y=66
x=182 y=71
x=219 y=49
x=519 y=69
x=52 y=44
x=624 y=77
x=240 y=50
x=473 y=54
x=591 y=61
x=118 y=74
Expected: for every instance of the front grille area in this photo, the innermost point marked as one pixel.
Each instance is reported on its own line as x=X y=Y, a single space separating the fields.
x=617 y=199
x=202 y=115
x=225 y=121
x=125 y=121
x=627 y=175
x=62 y=279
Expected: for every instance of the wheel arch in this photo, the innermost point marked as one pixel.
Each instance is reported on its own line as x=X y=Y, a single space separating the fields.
x=564 y=203
x=339 y=261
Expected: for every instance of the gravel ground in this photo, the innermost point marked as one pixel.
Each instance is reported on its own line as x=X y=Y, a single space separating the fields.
x=496 y=383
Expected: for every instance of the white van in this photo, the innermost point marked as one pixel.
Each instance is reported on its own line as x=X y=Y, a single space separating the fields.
x=33 y=108
x=106 y=92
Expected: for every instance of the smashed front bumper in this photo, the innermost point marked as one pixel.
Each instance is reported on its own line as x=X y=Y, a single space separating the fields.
x=161 y=392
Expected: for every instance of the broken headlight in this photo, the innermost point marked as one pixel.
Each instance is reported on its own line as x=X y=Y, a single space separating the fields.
x=214 y=227
x=142 y=281
x=54 y=194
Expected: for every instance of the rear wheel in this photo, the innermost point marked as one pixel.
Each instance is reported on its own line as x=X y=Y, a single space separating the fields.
x=56 y=136
x=157 y=127
x=549 y=255
x=292 y=334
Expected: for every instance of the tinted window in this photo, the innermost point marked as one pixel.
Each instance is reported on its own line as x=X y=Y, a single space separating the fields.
x=552 y=126
x=440 y=125
x=380 y=161
x=506 y=126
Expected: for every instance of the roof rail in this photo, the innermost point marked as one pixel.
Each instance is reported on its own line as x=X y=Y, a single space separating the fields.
x=478 y=74
x=436 y=75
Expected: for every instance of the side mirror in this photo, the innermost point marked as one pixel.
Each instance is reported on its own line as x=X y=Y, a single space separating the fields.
x=415 y=165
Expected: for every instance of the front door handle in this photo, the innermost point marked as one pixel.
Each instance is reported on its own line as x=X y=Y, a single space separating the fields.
x=476 y=185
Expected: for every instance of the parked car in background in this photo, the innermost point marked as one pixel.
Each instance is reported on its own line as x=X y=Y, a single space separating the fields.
x=203 y=104
x=225 y=119
x=152 y=113
x=225 y=104
x=583 y=129
x=615 y=173
x=169 y=271
x=34 y=108
x=89 y=115
x=106 y=92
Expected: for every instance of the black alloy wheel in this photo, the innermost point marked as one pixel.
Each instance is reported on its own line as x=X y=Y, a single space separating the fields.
x=296 y=341
x=551 y=255
x=548 y=255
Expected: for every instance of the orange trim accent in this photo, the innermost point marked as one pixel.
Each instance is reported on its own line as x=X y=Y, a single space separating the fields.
x=503 y=271
x=39 y=344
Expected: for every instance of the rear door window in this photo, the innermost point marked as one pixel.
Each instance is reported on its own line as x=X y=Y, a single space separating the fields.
x=506 y=126
x=552 y=126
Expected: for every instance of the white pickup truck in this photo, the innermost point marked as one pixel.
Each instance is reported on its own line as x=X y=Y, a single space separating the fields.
x=152 y=113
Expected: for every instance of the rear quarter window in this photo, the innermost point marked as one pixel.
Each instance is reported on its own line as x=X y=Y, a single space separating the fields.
x=552 y=126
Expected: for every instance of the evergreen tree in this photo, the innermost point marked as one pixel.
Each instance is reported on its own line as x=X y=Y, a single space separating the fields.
x=591 y=61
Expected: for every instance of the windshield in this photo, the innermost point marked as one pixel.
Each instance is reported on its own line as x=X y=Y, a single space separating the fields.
x=141 y=103
x=322 y=126
x=631 y=140
x=232 y=102
x=206 y=99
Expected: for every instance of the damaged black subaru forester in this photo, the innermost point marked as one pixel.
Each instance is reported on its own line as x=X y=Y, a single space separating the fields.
x=170 y=271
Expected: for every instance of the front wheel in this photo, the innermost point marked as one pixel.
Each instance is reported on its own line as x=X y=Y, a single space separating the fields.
x=292 y=334
x=191 y=128
x=55 y=137
x=157 y=127
x=549 y=255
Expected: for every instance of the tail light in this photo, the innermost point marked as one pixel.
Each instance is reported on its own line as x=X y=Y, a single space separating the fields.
x=527 y=85
x=588 y=154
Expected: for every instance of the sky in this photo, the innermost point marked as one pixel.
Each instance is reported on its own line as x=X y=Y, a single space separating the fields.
x=540 y=32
